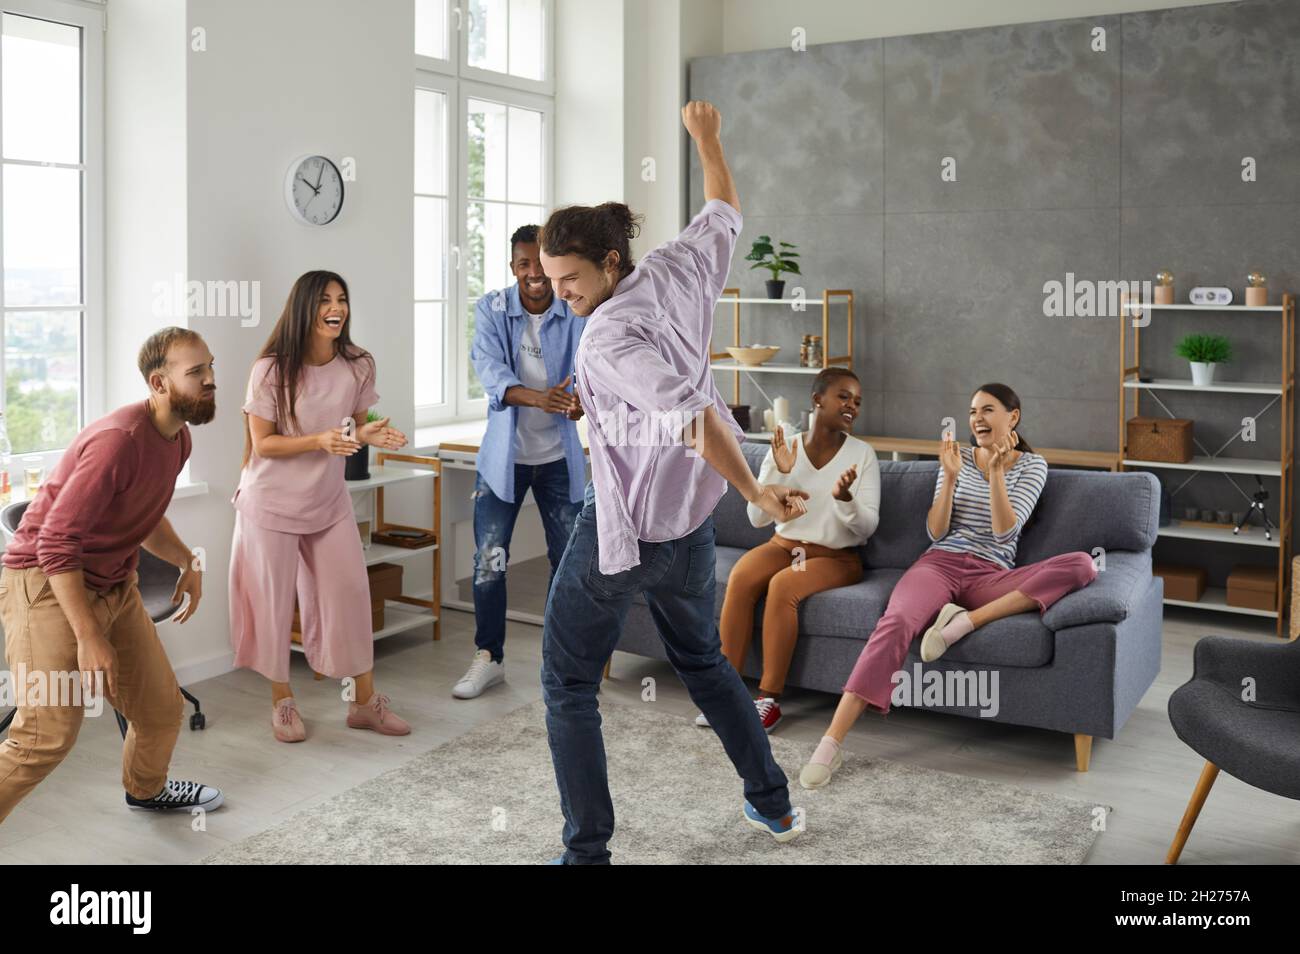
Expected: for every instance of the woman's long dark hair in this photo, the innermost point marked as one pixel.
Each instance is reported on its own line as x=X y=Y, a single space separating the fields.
x=1011 y=401
x=289 y=341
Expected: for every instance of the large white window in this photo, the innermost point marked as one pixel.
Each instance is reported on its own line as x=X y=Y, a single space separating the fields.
x=51 y=248
x=483 y=148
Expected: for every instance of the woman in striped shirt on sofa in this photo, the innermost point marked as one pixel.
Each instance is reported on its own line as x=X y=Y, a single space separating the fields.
x=983 y=497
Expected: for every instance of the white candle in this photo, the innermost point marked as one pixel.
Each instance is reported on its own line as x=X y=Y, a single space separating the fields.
x=781 y=410
x=769 y=422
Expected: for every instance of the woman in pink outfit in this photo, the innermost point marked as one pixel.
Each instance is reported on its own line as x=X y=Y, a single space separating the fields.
x=295 y=534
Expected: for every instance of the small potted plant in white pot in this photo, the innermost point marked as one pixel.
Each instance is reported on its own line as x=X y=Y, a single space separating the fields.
x=1203 y=352
x=776 y=259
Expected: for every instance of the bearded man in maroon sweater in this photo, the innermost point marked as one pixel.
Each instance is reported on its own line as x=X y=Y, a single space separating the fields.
x=69 y=596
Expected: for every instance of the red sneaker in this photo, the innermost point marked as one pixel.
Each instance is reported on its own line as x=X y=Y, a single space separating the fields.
x=769 y=712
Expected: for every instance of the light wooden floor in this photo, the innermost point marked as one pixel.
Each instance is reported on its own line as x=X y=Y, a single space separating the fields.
x=1147 y=774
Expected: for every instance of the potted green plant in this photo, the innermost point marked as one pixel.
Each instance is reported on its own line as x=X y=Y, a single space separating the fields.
x=357 y=466
x=776 y=259
x=1204 y=352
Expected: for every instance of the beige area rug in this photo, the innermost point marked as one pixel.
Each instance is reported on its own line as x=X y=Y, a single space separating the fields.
x=489 y=797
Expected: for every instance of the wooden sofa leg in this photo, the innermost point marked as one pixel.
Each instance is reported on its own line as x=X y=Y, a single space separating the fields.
x=1082 y=751
x=1199 y=794
x=608 y=662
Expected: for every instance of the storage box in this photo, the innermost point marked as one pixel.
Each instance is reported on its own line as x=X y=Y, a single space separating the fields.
x=385 y=584
x=1181 y=582
x=1164 y=439
x=385 y=580
x=1253 y=587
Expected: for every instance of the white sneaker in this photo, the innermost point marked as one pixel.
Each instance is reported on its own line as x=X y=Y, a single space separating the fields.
x=483 y=674
x=702 y=721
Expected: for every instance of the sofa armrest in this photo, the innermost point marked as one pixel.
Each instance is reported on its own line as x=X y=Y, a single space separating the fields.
x=1108 y=598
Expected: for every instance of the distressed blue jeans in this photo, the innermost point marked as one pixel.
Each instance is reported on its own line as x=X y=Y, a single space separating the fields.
x=494 y=525
x=584 y=620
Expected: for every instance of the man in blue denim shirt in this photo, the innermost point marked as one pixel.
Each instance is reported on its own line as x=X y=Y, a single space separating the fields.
x=525 y=339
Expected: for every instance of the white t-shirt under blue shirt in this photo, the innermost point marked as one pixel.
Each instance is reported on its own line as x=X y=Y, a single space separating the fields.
x=970 y=529
x=537 y=436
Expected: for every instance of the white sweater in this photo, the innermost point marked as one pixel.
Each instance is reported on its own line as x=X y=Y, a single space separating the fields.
x=828 y=522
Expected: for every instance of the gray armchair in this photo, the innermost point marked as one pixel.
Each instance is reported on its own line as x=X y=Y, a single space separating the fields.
x=1256 y=740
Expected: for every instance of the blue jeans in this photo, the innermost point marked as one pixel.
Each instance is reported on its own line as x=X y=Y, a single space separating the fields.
x=494 y=525
x=584 y=619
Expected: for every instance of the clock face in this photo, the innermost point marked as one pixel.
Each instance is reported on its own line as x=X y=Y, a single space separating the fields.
x=314 y=190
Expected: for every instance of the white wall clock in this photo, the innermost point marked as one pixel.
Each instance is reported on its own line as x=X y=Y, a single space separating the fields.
x=313 y=189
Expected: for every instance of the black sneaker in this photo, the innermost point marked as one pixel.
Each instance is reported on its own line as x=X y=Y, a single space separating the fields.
x=182 y=795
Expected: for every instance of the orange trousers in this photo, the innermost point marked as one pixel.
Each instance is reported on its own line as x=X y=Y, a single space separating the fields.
x=786 y=572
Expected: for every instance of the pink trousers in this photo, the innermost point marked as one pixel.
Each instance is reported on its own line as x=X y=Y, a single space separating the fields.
x=940 y=577
x=327 y=572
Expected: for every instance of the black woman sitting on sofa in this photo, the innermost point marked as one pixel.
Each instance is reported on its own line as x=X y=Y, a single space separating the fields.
x=811 y=552
x=983 y=496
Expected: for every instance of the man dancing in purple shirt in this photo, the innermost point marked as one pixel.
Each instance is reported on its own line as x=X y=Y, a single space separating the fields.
x=663 y=449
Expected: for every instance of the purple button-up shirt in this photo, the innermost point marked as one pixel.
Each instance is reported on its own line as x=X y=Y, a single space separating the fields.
x=642 y=373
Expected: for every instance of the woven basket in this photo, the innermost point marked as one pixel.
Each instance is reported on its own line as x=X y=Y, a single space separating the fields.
x=1168 y=440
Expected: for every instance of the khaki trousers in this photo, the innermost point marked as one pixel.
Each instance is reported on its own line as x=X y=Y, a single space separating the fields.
x=40 y=644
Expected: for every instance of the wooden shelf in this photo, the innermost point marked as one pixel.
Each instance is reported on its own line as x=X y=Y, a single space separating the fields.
x=770 y=367
x=1131 y=307
x=398 y=618
x=1219 y=465
x=1251 y=534
x=1217 y=599
x=381 y=476
x=1224 y=387
x=387 y=553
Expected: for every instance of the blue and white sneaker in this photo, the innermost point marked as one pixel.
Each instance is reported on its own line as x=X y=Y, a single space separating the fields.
x=782 y=829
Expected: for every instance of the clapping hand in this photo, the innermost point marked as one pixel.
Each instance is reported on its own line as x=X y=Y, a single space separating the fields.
x=950 y=458
x=379 y=434
x=842 y=485
x=1000 y=453
x=782 y=453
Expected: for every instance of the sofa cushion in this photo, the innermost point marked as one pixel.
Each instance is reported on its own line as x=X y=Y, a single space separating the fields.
x=851 y=612
x=1087 y=509
x=906 y=492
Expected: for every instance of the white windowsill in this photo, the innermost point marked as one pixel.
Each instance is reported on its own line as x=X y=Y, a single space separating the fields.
x=427 y=439
x=195 y=488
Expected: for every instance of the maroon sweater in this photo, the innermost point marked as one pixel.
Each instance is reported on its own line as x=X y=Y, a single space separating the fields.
x=107 y=493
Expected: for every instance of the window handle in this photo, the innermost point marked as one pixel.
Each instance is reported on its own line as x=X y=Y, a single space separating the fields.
x=458 y=14
x=455 y=250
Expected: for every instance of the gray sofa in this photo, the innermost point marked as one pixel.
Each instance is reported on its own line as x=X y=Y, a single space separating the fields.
x=1080 y=668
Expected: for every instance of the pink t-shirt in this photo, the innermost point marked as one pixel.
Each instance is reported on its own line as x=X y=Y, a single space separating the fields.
x=304 y=493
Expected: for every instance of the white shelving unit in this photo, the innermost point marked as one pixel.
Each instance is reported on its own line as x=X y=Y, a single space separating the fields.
x=1281 y=467
x=723 y=361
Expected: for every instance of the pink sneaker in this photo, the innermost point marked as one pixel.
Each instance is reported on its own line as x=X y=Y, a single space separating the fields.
x=286 y=721
x=376 y=715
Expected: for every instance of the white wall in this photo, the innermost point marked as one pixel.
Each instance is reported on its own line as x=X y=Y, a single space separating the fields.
x=621 y=81
x=144 y=159
x=588 y=101
x=277 y=80
x=766 y=24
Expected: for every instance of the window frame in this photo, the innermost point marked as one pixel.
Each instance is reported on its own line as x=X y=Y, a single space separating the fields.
x=460 y=88
x=91 y=21
x=545 y=86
